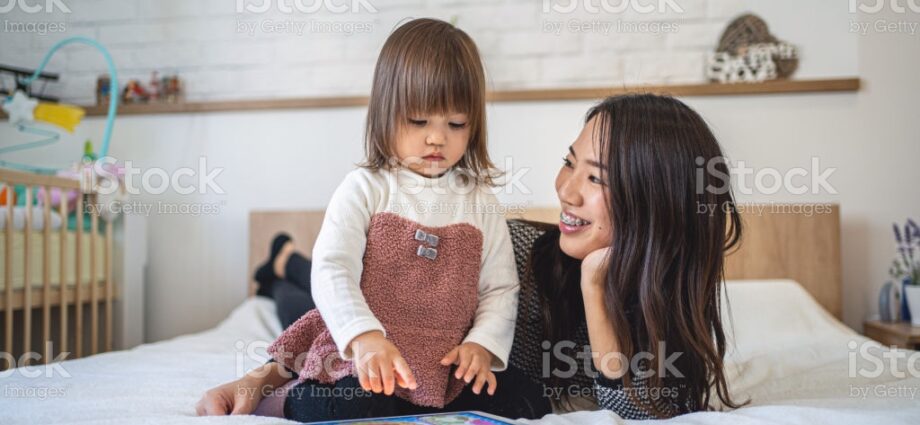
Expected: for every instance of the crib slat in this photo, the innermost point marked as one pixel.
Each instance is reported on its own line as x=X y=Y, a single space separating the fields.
x=8 y=278
x=94 y=297
x=46 y=275
x=78 y=300
x=63 y=212
x=27 y=280
x=108 y=285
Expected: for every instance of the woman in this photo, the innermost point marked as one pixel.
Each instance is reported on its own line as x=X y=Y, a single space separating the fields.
x=619 y=304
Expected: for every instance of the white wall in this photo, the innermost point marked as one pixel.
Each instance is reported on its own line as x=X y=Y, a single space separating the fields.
x=294 y=159
x=210 y=45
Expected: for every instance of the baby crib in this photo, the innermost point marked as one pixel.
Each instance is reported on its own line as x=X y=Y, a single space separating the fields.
x=57 y=290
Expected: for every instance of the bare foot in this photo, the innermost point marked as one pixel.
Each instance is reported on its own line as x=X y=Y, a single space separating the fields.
x=282 y=258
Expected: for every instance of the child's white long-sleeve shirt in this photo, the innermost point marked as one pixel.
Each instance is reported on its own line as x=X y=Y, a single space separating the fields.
x=431 y=202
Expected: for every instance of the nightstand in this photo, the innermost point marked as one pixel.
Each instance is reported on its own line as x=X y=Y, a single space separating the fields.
x=899 y=334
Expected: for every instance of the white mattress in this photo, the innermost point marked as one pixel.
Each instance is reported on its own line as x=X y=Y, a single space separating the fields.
x=790 y=357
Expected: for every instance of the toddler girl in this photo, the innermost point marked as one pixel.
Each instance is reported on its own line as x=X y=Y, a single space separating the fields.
x=413 y=269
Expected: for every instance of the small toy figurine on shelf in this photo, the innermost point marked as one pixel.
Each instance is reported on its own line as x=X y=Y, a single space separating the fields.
x=172 y=88
x=159 y=89
x=134 y=92
x=103 y=89
x=154 y=90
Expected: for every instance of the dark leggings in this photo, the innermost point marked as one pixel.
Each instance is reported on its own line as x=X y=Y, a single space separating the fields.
x=517 y=396
x=310 y=401
x=292 y=293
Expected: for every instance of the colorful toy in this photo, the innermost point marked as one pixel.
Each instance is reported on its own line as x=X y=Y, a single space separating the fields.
x=154 y=89
x=24 y=110
x=61 y=115
x=4 y=198
x=134 y=92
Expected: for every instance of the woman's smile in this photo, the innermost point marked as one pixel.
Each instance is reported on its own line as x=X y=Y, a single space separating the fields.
x=570 y=223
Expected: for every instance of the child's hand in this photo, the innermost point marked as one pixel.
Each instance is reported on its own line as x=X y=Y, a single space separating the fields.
x=376 y=359
x=473 y=361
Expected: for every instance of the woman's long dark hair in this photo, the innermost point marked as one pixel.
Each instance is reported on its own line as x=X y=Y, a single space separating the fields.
x=672 y=220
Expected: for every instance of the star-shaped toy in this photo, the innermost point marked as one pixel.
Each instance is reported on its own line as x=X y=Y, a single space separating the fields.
x=20 y=108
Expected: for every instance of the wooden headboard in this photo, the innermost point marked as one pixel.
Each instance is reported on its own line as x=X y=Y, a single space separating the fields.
x=780 y=241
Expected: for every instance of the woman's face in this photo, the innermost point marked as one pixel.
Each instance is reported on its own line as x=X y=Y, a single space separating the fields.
x=581 y=186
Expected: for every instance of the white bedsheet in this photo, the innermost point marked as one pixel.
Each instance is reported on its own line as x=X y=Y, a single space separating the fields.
x=789 y=357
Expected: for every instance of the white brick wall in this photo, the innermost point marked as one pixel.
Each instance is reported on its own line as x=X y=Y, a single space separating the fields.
x=209 y=44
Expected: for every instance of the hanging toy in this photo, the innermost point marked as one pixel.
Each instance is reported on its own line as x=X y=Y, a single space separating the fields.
x=20 y=108
x=88 y=154
x=64 y=116
x=4 y=196
x=56 y=193
x=23 y=111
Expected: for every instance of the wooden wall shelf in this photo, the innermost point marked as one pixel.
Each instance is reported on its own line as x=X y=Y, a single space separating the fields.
x=689 y=90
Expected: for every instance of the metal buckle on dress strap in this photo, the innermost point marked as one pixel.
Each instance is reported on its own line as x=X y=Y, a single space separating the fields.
x=428 y=238
x=429 y=253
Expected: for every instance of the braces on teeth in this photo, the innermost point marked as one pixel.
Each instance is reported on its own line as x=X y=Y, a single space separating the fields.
x=571 y=221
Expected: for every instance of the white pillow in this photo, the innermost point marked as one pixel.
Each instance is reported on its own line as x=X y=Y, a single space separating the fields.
x=761 y=315
x=782 y=345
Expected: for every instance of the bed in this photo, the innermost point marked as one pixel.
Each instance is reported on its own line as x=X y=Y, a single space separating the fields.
x=789 y=354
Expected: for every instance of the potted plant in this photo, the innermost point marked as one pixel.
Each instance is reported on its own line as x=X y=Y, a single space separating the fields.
x=906 y=269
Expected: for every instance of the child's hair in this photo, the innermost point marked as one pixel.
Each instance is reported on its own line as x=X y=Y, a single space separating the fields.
x=427 y=66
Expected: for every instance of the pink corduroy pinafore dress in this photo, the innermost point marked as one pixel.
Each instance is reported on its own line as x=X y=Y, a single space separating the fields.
x=423 y=291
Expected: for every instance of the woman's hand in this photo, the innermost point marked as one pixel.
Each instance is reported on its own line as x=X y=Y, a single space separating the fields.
x=601 y=334
x=376 y=359
x=238 y=397
x=593 y=268
x=473 y=361
x=241 y=397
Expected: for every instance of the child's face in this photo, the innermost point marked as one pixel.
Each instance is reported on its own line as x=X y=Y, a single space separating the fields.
x=430 y=144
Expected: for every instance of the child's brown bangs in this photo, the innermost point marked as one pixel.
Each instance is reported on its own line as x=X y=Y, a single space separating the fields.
x=437 y=84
